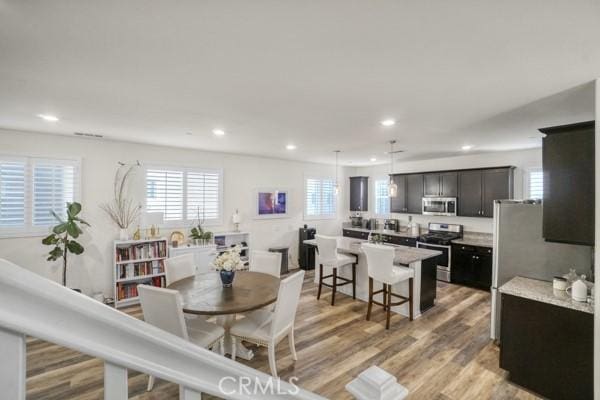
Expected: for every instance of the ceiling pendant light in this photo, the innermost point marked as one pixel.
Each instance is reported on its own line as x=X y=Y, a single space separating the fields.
x=336 y=188
x=392 y=188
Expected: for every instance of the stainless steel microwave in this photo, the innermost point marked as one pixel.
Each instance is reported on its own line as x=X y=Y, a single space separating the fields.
x=439 y=206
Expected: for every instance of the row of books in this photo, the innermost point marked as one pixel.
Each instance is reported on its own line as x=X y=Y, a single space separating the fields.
x=132 y=270
x=129 y=290
x=142 y=251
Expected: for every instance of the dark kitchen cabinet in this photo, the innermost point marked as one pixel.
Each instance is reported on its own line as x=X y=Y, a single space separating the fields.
x=402 y=240
x=398 y=203
x=359 y=193
x=471 y=266
x=477 y=190
x=443 y=184
x=568 y=161
x=546 y=348
x=355 y=234
x=414 y=193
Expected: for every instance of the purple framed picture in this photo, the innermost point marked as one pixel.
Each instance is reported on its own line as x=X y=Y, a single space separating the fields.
x=271 y=203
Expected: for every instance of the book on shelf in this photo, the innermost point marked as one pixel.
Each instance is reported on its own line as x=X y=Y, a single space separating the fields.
x=132 y=270
x=129 y=290
x=141 y=251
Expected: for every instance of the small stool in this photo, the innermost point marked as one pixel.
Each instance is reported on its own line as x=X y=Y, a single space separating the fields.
x=329 y=257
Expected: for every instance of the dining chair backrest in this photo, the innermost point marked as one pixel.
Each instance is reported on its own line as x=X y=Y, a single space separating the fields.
x=180 y=267
x=163 y=309
x=380 y=261
x=288 y=297
x=266 y=262
x=327 y=247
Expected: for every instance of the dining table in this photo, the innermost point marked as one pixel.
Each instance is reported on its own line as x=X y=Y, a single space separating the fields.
x=205 y=296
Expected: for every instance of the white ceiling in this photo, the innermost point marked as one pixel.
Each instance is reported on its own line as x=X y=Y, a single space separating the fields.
x=319 y=74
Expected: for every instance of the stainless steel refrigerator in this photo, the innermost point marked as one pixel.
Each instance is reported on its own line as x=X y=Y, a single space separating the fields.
x=520 y=250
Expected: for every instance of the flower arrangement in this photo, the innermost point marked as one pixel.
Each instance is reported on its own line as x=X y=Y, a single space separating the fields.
x=229 y=260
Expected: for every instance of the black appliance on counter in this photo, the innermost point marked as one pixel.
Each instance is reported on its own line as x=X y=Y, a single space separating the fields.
x=391 y=225
x=357 y=220
x=440 y=237
x=306 y=253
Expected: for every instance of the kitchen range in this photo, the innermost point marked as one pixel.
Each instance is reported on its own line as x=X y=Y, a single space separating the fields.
x=439 y=237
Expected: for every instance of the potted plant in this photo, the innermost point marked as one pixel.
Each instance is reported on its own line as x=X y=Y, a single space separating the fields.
x=63 y=235
x=197 y=233
x=122 y=209
x=227 y=263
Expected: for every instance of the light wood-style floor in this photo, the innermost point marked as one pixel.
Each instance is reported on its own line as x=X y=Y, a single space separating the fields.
x=445 y=354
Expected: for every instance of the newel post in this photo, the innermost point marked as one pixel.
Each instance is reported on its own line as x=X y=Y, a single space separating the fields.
x=13 y=373
x=376 y=384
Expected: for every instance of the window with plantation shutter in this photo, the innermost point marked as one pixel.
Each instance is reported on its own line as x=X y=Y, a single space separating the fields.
x=319 y=198
x=31 y=188
x=382 y=199
x=535 y=184
x=184 y=195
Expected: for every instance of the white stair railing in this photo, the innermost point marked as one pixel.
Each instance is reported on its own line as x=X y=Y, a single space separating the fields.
x=35 y=306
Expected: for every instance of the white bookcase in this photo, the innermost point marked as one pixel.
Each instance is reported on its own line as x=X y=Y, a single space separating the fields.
x=226 y=240
x=136 y=262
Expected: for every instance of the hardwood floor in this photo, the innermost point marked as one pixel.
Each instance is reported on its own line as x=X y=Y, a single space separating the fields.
x=445 y=354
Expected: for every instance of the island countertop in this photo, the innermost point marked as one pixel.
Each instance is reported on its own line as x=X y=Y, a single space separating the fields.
x=404 y=255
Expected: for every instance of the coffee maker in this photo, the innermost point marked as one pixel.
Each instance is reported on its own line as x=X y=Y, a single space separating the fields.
x=391 y=225
x=356 y=220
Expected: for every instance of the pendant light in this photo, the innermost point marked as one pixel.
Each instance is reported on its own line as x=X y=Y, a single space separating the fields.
x=336 y=188
x=392 y=188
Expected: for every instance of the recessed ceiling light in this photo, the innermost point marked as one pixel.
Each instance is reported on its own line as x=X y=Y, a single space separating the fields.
x=373 y=159
x=291 y=147
x=189 y=133
x=48 y=117
x=467 y=147
x=388 y=122
x=218 y=132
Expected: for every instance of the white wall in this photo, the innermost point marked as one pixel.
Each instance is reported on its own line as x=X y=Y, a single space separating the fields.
x=242 y=175
x=597 y=253
x=523 y=160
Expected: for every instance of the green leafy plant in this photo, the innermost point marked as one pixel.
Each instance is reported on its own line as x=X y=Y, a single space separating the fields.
x=198 y=233
x=63 y=235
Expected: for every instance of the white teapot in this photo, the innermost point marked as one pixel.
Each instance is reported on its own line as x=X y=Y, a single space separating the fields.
x=579 y=290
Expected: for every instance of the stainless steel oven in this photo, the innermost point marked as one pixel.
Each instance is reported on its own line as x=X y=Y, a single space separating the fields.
x=439 y=206
x=443 y=265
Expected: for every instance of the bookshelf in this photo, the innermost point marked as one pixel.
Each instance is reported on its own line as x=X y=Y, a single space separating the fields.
x=137 y=262
x=226 y=240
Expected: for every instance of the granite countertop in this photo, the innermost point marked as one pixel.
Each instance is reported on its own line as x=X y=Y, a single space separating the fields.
x=406 y=234
x=542 y=291
x=404 y=254
x=476 y=239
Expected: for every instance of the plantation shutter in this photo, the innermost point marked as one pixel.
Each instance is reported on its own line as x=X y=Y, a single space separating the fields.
x=12 y=193
x=382 y=200
x=164 y=193
x=203 y=196
x=54 y=185
x=319 y=198
x=536 y=184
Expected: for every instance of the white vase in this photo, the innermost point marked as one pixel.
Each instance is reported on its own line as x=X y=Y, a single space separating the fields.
x=123 y=235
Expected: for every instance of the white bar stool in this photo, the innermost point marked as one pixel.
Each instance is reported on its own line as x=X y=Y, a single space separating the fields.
x=329 y=257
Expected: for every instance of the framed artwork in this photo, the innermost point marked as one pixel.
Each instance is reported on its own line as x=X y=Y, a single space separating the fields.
x=271 y=203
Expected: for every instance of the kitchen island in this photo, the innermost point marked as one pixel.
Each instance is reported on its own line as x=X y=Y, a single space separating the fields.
x=422 y=261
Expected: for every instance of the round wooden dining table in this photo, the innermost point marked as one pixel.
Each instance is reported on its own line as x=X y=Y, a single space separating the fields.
x=204 y=294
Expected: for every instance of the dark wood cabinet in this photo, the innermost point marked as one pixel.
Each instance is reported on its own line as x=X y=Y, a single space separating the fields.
x=471 y=266
x=398 y=203
x=359 y=193
x=477 y=190
x=402 y=240
x=355 y=234
x=414 y=193
x=443 y=184
x=547 y=348
x=568 y=160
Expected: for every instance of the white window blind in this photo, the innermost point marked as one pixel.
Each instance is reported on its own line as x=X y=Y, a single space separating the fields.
x=30 y=188
x=319 y=198
x=535 y=184
x=382 y=200
x=184 y=195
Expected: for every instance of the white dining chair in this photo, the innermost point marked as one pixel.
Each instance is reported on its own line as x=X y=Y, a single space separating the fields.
x=330 y=258
x=380 y=266
x=266 y=262
x=180 y=267
x=268 y=328
x=162 y=308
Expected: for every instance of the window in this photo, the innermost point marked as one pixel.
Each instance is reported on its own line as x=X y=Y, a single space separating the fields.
x=30 y=188
x=319 y=198
x=535 y=184
x=184 y=195
x=382 y=199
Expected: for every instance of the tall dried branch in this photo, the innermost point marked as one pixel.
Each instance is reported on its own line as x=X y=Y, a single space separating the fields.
x=122 y=210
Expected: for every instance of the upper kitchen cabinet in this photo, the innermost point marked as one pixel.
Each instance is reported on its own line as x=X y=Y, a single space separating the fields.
x=477 y=190
x=359 y=193
x=398 y=203
x=568 y=160
x=444 y=184
x=414 y=193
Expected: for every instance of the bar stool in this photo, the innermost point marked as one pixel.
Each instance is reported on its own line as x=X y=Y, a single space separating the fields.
x=380 y=265
x=329 y=257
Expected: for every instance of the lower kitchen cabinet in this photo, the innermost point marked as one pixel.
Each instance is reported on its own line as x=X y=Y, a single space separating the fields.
x=547 y=349
x=355 y=234
x=471 y=266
